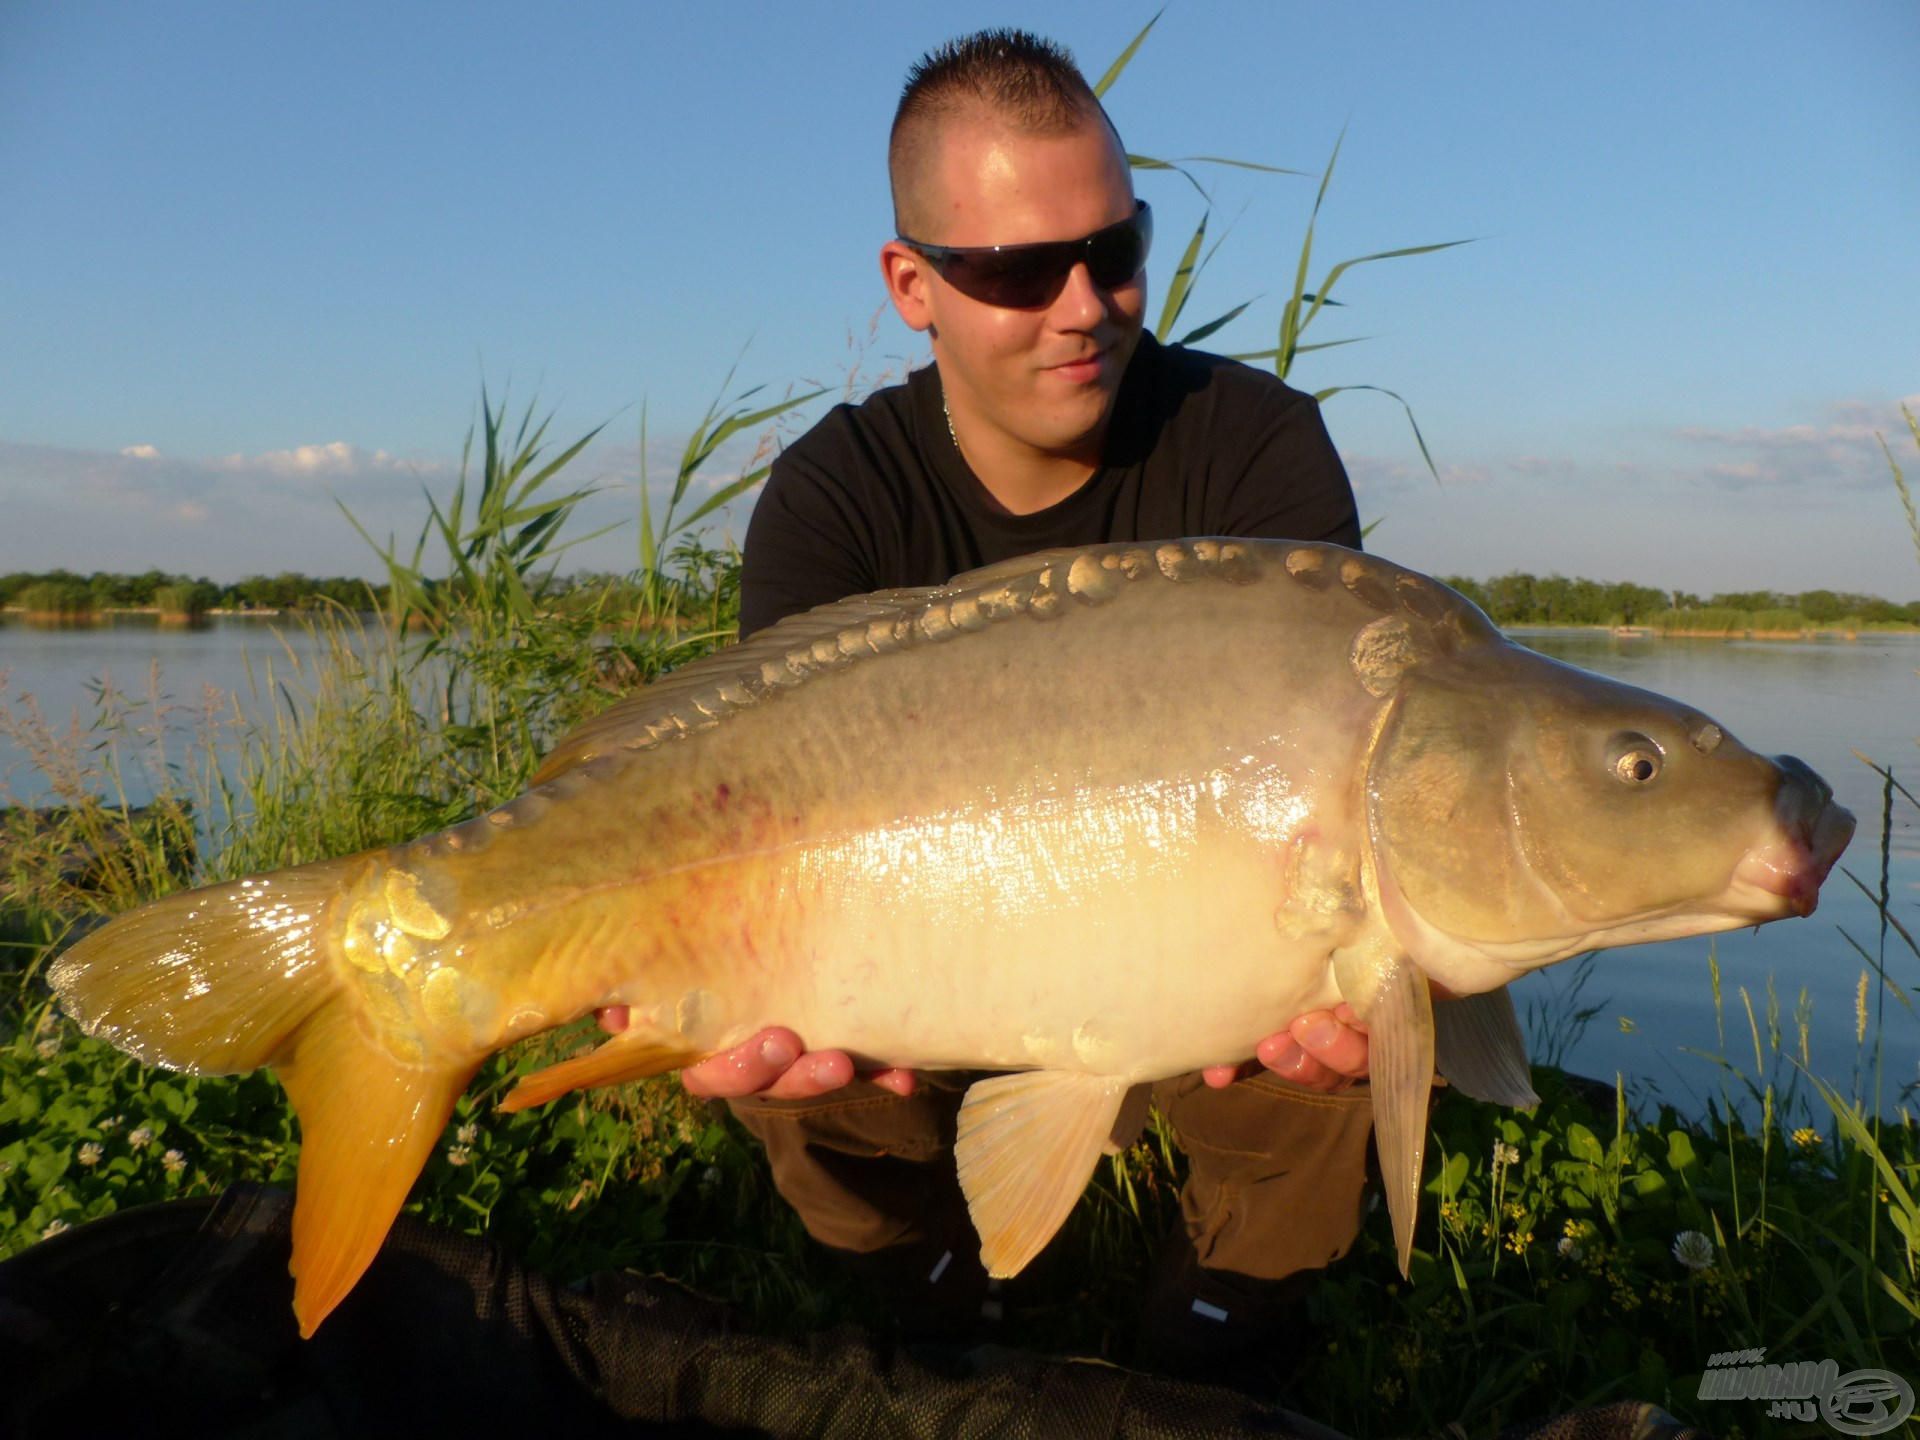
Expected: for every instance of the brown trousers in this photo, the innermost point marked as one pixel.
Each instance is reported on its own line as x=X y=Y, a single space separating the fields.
x=1276 y=1172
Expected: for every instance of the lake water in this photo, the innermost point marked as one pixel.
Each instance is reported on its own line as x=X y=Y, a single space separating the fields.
x=1820 y=700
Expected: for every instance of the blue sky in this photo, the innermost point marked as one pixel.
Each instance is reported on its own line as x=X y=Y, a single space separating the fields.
x=256 y=257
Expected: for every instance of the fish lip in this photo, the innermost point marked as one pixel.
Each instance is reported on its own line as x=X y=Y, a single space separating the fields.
x=1793 y=863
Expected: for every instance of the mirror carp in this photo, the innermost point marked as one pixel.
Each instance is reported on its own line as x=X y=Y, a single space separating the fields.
x=1091 y=818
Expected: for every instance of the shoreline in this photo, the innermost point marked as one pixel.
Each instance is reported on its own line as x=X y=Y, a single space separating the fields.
x=1649 y=632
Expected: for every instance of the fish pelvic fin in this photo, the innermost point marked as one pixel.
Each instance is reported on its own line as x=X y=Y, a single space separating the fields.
x=367 y=1125
x=1479 y=1048
x=1391 y=995
x=612 y=1063
x=1026 y=1147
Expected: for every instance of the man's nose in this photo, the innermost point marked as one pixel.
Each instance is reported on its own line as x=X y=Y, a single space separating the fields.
x=1082 y=304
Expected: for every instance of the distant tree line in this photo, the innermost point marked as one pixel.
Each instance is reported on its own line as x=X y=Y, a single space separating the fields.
x=1514 y=599
x=1521 y=599
x=62 y=592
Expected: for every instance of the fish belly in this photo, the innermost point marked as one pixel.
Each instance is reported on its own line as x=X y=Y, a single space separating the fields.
x=1015 y=850
x=1135 y=929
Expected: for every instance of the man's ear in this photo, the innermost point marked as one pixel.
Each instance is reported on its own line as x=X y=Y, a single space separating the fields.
x=908 y=284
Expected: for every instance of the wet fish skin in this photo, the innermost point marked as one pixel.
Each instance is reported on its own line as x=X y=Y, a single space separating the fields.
x=1096 y=816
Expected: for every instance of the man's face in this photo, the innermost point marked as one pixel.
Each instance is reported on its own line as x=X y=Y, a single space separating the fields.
x=1044 y=377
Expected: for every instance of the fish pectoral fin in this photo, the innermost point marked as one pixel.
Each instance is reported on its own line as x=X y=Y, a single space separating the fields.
x=1479 y=1048
x=367 y=1125
x=612 y=1063
x=1391 y=995
x=1027 y=1146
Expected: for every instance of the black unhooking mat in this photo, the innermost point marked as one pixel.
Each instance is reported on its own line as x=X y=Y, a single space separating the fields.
x=175 y=1320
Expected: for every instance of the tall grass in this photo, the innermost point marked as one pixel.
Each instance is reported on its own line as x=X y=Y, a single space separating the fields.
x=1302 y=305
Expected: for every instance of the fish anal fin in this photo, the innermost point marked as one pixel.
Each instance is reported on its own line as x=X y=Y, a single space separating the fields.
x=367 y=1125
x=1390 y=993
x=1479 y=1048
x=612 y=1063
x=1026 y=1147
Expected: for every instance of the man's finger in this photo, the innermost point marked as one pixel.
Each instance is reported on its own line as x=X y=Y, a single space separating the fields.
x=812 y=1074
x=1341 y=1048
x=746 y=1069
x=900 y=1082
x=1285 y=1057
x=1222 y=1076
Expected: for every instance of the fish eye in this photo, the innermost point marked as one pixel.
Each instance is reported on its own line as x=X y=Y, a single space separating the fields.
x=1636 y=760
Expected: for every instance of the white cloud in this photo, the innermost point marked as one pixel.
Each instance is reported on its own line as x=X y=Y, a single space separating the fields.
x=133 y=506
x=336 y=457
x=1843 y=452
x=1541 y=466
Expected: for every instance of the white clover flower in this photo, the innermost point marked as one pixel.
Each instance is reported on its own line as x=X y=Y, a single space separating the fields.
x=141 y=1138
x=1505 y=1154
x=458 y=1154
x=48 y=1048
x=467 y=1133
x=1693 y=1250
x=49 y=1018
x=6 y=1167
x=1570 y=1248
x=174 y=1161
x=91 y=1152
x=111 y=1123
x=54 y=1227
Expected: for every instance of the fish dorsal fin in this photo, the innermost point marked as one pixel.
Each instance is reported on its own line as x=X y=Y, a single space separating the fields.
x=1026 y=1146
x=1478 y=1046
x=697 y=694
x=1041 y=586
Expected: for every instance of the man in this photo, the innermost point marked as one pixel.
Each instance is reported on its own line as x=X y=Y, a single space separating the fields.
x=1048 y=418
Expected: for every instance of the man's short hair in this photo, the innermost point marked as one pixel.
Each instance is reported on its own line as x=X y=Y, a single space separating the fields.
x=1009 y=75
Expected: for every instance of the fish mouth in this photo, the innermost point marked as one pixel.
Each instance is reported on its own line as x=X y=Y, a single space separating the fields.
x=1782 y=874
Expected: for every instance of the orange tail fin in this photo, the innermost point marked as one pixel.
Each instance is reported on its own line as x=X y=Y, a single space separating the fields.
x=236 y=976
x=367 y=1125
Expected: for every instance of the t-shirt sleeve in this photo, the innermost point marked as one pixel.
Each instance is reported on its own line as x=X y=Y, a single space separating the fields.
x=1290 y=483
x=808 y=543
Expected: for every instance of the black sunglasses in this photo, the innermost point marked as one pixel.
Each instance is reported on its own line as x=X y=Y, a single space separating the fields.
x=1026 y=277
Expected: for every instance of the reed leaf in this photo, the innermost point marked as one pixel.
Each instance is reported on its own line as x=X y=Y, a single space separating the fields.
x=1125 y=57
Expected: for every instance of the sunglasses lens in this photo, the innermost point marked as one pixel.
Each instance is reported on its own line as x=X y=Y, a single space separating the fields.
x=1115 y=256
x=1025 y=277
x=1013 y=280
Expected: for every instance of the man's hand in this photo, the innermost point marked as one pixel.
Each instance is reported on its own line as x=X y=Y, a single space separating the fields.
x=772 y=1064
x=1324 y=1050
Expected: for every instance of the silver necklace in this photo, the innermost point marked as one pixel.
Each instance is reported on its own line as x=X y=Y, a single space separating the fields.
x=949 y=414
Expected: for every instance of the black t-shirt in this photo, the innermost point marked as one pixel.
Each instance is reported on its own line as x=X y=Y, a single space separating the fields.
x=877 y=495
